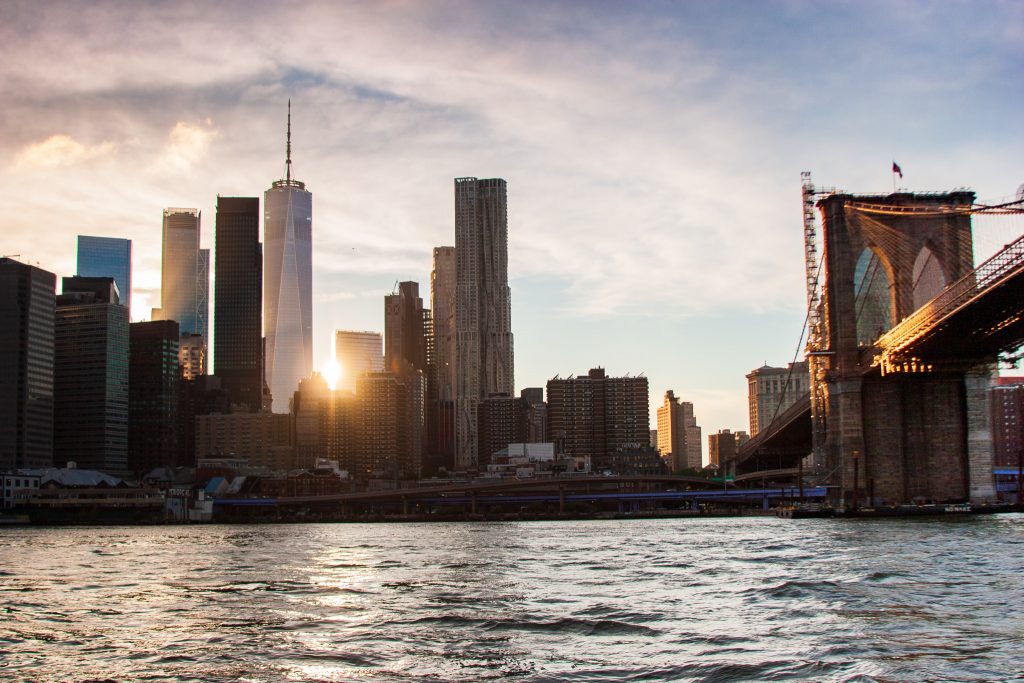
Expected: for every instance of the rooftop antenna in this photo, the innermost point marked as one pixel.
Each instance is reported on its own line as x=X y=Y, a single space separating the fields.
x=288 y=151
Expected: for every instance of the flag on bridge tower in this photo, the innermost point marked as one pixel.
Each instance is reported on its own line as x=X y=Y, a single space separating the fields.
x=896 y=169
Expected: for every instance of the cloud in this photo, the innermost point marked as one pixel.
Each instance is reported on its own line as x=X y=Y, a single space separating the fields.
x=187 y=144
x=59 y=150
x=336 y=296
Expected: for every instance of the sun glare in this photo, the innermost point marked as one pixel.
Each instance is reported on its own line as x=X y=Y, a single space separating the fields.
x=331 y=372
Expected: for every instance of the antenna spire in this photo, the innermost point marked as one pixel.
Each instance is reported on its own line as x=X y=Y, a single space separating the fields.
x=288 y=152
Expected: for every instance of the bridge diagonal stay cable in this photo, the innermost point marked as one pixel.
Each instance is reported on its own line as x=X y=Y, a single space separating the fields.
x=796 y=354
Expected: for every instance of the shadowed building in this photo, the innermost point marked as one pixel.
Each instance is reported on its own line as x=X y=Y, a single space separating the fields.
x=533 y=415
x=440 y=450
x=483 y=315
x=91 y=376
x=389 y=425
x=27 y=303
x=108 y=257
x=262 y=439
x=721 y=447
x=238 y=341
x=153 y=392
x=598 y=415
x=287 y=282
x=405 y=344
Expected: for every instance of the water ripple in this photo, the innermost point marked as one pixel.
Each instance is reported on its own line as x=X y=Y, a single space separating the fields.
x=751 y=599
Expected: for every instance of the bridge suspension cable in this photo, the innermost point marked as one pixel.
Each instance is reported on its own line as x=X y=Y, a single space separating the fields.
x=1015 y=206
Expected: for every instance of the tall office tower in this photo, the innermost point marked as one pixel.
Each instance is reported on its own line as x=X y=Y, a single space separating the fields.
x=771 y=390
x=483 y=315
x=108 y=257
x=441 y=385
x=153 y=392
x=91 y=376
x=598 y=415
x=405 y=344
x=287 y=282
x=26 y=365
x=238 y=341
x=180 y=271
x=678 y=434
x=357 y=353
x=442 y=310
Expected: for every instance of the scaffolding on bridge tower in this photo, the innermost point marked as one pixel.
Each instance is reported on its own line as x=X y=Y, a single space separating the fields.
x=815 y=352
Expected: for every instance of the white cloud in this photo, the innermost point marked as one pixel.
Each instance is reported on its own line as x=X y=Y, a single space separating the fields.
x=187 y=144
x=59 y=150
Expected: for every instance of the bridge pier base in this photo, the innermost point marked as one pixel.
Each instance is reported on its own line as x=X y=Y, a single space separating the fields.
x=980 y=456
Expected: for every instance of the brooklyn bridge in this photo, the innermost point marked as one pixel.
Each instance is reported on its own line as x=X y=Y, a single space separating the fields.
x=904 y=335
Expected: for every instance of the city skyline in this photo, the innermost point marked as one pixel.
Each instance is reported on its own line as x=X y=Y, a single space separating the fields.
x=654 y=222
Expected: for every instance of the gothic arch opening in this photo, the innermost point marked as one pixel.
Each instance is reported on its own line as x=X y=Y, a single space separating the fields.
x=928 y=279
x=872 y=286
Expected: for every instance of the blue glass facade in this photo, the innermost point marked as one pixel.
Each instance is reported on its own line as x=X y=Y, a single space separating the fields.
x=107 y=257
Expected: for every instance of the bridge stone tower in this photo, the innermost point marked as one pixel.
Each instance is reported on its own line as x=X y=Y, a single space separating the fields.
x=904 y=437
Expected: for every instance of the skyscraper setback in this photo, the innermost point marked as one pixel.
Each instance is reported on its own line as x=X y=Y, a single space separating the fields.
x=185 y=274
x=288 y=282
x=238 y=342
x=483 y=315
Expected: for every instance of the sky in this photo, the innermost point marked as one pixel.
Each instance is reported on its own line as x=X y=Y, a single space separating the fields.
x=652 y=151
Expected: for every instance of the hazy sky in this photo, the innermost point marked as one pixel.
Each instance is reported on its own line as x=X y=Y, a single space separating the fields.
x=652 y=150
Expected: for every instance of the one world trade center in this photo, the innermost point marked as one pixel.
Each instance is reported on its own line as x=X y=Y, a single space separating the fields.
x=287 y=282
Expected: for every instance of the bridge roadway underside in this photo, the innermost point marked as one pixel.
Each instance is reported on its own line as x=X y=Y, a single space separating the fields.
x=782 y=445
x=984 y=326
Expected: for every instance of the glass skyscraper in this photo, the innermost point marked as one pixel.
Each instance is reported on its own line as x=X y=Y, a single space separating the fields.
x=185 y=273
x=238 y=294
x=287 y=283
x=107 y=257
x=90 y=416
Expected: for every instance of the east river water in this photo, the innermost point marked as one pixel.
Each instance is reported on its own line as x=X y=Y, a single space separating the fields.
x=742 y=599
